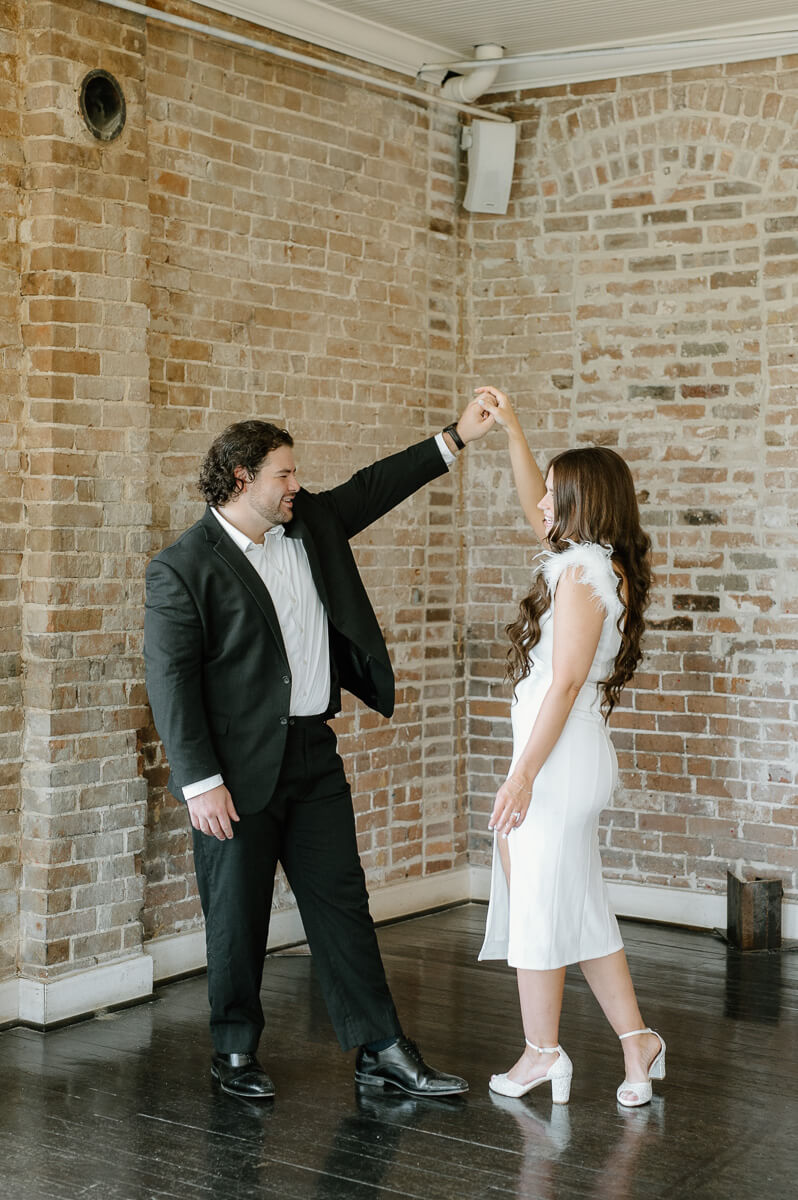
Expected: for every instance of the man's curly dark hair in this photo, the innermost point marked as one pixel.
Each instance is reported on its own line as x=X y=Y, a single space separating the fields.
x=245 y=444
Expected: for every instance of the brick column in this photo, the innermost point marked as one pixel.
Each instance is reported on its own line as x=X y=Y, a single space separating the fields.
x=84 y=244
x=443 y=695
x=11 y=530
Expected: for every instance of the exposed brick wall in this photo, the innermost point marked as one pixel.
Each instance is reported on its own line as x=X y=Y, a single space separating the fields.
x=640 y=294
x=83 y=247
x=13 y=535
x=265 y=239
x=303 y=269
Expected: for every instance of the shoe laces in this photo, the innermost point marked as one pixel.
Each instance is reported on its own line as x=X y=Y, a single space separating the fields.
x=412 y=1049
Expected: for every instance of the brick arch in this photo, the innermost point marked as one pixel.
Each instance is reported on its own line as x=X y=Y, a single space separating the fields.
x=657 y=136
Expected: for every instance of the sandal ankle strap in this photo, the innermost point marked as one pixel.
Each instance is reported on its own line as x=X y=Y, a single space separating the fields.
x=542 y=1049
x=634 y=1033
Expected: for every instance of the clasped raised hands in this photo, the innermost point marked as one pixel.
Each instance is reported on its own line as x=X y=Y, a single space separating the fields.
x=495 y=403
x=475 y=421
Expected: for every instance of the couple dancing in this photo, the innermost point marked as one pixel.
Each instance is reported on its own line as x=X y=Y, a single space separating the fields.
x=255 y=620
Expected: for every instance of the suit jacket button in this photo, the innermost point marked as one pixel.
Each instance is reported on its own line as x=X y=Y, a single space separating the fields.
x=286 y=679
x=283 y=720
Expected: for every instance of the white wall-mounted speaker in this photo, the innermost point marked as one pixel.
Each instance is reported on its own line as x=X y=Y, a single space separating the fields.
x=491 y=156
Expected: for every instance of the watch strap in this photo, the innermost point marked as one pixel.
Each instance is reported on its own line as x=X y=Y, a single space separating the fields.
x=455 y=436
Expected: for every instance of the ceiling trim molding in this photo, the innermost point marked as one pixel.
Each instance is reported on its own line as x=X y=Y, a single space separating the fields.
x=321 y=25
x=580 y=66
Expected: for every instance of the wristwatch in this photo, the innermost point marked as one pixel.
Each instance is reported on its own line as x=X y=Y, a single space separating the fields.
x=455 y=436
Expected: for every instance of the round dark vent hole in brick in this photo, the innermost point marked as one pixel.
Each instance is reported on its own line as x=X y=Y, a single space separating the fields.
x=102 y=104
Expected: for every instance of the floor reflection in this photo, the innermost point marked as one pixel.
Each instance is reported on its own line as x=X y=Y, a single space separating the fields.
x=561 y=1148
x=366 y=1145
x=753 y=985
x=543 y=1139
x=619 y=1176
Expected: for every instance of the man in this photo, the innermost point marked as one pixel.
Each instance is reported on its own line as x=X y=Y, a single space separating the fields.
x=255 y=619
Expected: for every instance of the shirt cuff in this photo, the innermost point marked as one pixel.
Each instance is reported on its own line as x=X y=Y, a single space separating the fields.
x=203 y=785
x=446 y=453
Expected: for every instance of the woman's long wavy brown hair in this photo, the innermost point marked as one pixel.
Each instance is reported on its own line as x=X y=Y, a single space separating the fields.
x=594 y=501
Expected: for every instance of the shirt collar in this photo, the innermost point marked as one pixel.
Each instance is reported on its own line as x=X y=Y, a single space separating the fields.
x=241 y=540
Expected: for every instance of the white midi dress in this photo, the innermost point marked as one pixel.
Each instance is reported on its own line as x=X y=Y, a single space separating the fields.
x=556 y=910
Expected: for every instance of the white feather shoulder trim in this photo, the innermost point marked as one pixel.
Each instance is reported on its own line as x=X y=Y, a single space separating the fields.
x=595 y=566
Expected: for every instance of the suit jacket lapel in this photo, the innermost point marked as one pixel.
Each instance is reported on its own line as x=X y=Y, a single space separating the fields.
x=237 y=561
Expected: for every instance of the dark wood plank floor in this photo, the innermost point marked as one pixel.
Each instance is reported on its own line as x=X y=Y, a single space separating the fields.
x=122 y=1108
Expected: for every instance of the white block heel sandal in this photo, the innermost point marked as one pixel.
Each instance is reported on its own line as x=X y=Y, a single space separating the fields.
x=559 y=1073
x=641 y=1092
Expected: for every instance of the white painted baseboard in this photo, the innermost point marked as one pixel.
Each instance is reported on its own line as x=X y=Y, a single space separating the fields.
x=420 y=895
x=480 y=883
x=176 y=954
x=180 y=953
x=672 y=906
x=9 y=1001
x=80 y=993
x=183 y=952
x=681 y=906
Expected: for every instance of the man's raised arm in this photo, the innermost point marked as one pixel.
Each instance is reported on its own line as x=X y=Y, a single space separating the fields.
x=376 y=489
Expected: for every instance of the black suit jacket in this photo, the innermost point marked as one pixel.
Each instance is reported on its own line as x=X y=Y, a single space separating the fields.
x=217 y=674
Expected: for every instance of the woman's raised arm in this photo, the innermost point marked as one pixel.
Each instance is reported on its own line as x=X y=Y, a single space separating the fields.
x=528 y=479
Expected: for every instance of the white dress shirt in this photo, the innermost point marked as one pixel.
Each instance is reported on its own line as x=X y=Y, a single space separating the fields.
x=282 y=564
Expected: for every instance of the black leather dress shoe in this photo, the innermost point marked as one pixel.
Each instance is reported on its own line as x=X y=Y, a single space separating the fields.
x=242 y=1075
x=402 y=1066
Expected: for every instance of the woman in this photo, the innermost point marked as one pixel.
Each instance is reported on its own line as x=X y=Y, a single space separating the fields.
x=574 y=645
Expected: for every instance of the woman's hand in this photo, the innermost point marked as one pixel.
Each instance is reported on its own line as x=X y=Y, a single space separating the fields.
x=476 y=420
x=512 y=804
x=497 y=404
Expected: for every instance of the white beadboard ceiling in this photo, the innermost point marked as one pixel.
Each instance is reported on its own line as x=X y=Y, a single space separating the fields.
x=580 y=39
x=542 y=25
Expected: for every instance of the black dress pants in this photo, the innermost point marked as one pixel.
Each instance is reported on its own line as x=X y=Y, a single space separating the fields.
x=309 y=827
